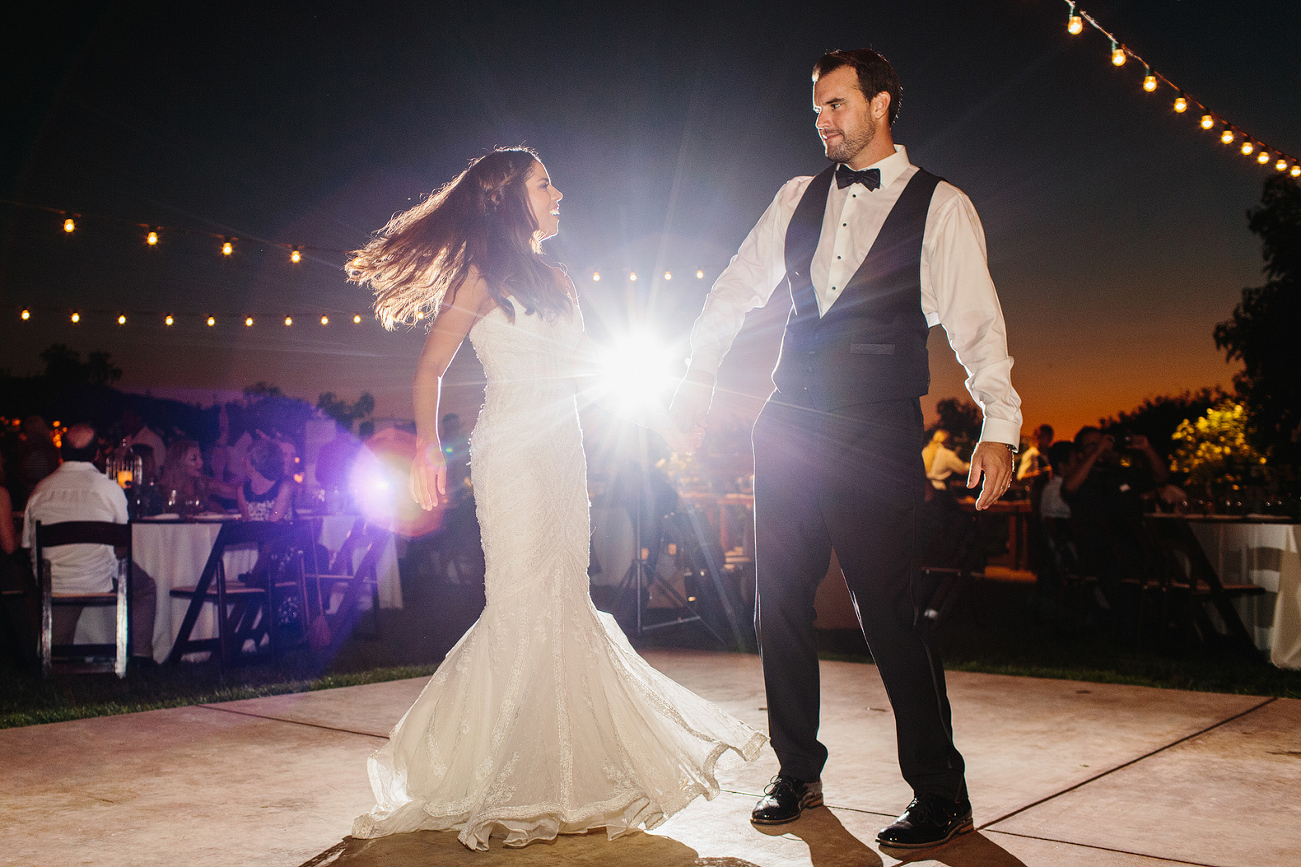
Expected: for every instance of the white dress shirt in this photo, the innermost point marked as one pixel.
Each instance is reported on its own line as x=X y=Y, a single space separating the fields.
x=76 y=491
x=956 y=289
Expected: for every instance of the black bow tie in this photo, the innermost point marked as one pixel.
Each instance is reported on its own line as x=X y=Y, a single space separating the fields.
x=870 y=178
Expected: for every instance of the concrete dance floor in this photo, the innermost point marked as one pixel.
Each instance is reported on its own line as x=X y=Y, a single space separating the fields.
x=1061 y=773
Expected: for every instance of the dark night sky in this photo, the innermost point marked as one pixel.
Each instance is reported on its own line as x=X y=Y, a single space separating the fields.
x=1116 y=228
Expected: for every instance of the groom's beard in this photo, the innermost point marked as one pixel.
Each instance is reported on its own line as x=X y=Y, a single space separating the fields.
x=851 y=144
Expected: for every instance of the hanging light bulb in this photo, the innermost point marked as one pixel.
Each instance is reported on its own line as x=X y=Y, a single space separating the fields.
x=1117 y=54
x=356 y=320
x=1247 y=147
x=1149 y=80
x=152 y=238
x=633 y=277
x=248 y=321
x=212 y=320
x=295 y=255
x=1262 y=157
x=700 y=275
x=325 y=320
x=1281 y=164
x=69 y=225
x=596 y=276
x=1227 y=136
x=76 y=317
x=1181 y=104
x=289 y=320
x=168 y=319
x=1207 y=121
x=1296 y=170
x=27 y=314
x=1074 y=23
x=227 y=247
x=121 y=319
x=668 y=275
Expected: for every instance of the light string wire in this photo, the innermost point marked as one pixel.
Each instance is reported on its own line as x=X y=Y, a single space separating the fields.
x=1229 y=132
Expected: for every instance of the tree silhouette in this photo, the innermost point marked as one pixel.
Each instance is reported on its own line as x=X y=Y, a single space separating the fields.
x=1263 y=331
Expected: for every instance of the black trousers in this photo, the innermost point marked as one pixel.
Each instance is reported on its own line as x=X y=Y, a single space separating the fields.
x=850 y=480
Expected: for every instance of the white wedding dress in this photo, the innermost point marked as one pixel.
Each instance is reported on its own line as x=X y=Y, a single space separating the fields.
x=542 y=720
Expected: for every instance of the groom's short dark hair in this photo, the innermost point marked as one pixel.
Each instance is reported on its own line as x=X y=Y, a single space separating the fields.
x=875 y=74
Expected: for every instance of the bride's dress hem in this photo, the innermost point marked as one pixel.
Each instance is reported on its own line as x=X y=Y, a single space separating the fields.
x=521 y=825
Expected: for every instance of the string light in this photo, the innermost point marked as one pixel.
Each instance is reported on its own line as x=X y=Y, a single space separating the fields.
x=356 y=320
x=1280 y=165
x=212 y=320
x=152 y=238
x=27 y=314
x=1077 y=18
x=76 y=317
x=1074 y=23
x=169 y=320
x=668 y=275
x=596 y=276
x=295 y=255
x=325 y=320
x=227 y=247
x=248 y=321
x=121 y=319
x=700 y=275
x=69 y=225
x=289 y=320
x=632 y=277
x=1296 y=170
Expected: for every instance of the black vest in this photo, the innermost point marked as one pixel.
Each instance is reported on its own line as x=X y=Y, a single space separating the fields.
x=871 y=344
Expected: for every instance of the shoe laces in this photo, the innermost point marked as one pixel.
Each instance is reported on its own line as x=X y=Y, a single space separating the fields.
x=781 y=784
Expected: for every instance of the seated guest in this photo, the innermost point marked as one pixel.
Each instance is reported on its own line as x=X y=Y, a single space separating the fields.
x=183 y=481
x=941 y=461
x=38 y=456
x=1034 y=461
x=77 y=491
x=1105 y=498
x=265 y=496
x=1062 y=457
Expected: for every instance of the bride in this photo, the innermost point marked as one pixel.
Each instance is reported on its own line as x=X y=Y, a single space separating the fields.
x=542 y=720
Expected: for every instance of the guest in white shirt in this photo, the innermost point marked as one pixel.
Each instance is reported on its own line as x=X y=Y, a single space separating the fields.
x=78 y=491
x=941 y=461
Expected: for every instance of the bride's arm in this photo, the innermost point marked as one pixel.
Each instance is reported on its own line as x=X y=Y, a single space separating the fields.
x=429 y=469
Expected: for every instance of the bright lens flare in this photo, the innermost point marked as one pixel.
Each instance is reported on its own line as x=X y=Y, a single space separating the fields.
x=380 y=485
x=635 y=373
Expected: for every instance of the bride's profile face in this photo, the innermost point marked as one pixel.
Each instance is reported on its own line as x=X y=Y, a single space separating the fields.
x=544 y=200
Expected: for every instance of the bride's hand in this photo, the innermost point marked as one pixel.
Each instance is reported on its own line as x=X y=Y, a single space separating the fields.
x=683 y=442
x=428 y=475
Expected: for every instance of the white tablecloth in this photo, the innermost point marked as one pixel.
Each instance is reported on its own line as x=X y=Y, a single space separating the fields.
x=173 y=555
x=1265 y=555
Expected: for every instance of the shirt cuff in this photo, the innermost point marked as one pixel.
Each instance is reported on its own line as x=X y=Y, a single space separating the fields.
x=705 y=362
x=999 y=430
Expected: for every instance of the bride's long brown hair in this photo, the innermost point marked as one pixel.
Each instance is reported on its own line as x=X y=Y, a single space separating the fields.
x=416 y=264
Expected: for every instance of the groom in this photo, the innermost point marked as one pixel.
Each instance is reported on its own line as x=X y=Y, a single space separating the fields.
x=874 y=251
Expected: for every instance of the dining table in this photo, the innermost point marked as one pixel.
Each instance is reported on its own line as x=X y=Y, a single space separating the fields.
x=171 y=552
x=1262 y=550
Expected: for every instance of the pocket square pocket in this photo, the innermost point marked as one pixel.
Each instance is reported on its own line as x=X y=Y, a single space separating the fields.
x=871 y=349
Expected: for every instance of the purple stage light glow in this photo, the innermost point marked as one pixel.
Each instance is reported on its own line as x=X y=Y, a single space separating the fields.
x=380 y=487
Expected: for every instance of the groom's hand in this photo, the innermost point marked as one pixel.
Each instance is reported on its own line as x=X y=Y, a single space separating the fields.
x=691 y=401
x=996 y=462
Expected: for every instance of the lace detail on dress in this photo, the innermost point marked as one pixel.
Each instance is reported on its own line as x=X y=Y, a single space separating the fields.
x=542 y=720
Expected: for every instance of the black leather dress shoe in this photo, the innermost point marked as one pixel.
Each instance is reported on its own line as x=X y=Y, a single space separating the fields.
x=929 y=821
x=784 y=800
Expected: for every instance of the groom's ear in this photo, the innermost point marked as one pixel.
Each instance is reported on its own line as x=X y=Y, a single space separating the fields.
x=880 y=106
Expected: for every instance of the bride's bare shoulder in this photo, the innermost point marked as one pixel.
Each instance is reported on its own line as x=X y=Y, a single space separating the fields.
x=473 y=294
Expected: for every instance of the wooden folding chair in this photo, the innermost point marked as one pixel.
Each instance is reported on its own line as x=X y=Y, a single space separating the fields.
x=354 y=580
x=85 y=533
x=245 y=612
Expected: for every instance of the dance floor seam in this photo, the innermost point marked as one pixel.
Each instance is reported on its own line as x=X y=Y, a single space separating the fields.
x=1163 y=859
x=1131 y=762
x=280 y=719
